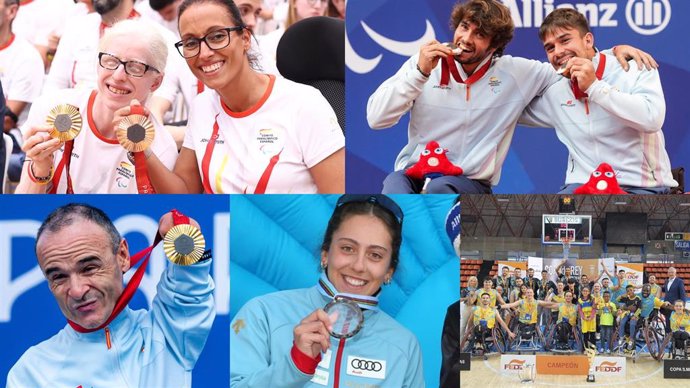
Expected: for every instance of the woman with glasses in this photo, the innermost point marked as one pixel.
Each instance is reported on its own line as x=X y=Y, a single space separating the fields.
x=248 y=132
x=293 y=339
x=132 y=56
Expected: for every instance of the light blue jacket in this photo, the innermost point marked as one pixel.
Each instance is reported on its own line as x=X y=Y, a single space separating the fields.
x=148 y=349
x=262 y=335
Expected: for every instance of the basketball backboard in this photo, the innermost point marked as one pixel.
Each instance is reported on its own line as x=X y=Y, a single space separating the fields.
x=576 y=228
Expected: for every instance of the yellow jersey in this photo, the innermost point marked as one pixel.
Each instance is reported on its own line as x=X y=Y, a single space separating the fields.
x=488 y=314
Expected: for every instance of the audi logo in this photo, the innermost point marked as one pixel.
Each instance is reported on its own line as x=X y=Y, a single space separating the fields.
x=373 y=366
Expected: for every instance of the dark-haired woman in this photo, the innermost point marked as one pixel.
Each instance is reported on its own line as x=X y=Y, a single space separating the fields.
x=249 y=132
x=286 y=337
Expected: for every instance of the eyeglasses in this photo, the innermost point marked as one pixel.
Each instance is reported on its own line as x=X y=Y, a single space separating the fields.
x=378 y=199
x=215 y=40
x=315 y=2
x=133 y=68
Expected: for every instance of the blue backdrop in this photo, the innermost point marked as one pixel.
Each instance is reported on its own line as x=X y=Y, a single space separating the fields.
x=28 y=312
x=382 y=34
x=275 y=246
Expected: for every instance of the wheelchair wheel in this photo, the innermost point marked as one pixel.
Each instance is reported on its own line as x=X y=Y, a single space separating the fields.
x=467 y=342
x=652 y=341
x=500 y=340
x=664 y=344
x=579 y=339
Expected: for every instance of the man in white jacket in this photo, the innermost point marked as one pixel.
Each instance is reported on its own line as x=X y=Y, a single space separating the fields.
x=601 y=112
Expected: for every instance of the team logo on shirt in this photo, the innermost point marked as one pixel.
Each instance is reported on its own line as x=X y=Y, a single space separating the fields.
x=366 y=367
x=568 y=104
x=125 y=172
x=269 y=141
x=495 y=85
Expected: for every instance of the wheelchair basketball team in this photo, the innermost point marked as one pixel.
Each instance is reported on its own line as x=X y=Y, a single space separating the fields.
x=570 y=315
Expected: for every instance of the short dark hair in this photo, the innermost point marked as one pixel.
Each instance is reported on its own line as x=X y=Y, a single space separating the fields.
x=491 y=17
x=158 y=5
x=564 y=18
x=488 y=279
x=629 y=287
x=66 y=215
x=606 y=292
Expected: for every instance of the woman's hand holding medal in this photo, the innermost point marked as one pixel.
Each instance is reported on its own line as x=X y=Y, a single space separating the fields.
x=133 y=128
x=312 y=335
x=40 y=147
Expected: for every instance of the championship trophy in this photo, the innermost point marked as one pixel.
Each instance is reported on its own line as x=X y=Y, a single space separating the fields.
x=528 y=373
x=65 y=121
x=348 y=316
x=591 y=352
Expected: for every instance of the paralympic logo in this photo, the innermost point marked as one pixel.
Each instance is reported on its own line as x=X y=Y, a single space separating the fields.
x=361 y=65
x=373 y=366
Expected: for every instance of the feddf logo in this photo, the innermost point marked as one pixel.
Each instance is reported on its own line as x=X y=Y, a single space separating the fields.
x=606 y=366
x=648 y=17
x=515 y=365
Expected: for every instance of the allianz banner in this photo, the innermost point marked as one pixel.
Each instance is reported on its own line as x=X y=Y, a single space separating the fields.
x=382 y=34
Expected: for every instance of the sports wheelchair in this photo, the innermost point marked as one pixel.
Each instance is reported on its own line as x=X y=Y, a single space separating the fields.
x=677 y=343
x=481 y=341
x=528 y=337
x=562 y=337
x=647 y=338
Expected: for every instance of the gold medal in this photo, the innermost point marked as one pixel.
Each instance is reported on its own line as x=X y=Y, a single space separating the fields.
x=184 y=244
x=135 y=132
x=66 y=122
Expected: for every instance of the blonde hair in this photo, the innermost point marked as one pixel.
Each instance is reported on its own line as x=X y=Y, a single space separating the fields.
x=472 y=278
x=140 y=30
x=292 y=14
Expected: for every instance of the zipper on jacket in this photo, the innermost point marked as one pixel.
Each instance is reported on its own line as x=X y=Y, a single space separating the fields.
x=108 y=342
x=338 y=360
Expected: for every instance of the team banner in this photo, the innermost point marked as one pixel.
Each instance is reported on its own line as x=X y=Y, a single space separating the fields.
x=609 y=366
x=593 y=268
x=577 y=365
x=633 y=272
x=512 y=265
x=382 y=34
x=514 y=363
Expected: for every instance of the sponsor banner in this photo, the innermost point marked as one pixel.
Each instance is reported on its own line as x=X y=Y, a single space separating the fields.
x=633 y=272
x=514 y=363
x=562 y=365
x=465 y=361
x=677 y=369
x=609 y=366
x=522 y=265
x=682 y=245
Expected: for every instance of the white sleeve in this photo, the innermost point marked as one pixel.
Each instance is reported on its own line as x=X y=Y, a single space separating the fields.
x=537 y=114
x=643 y=108
x=395 y=96
x=317 y=129
x=63 y=62
x=27 y=81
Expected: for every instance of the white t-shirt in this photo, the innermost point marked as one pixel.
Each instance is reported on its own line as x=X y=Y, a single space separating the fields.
x=38 y=19
x=98 y=165
x=291 y=119
x=21 y=73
